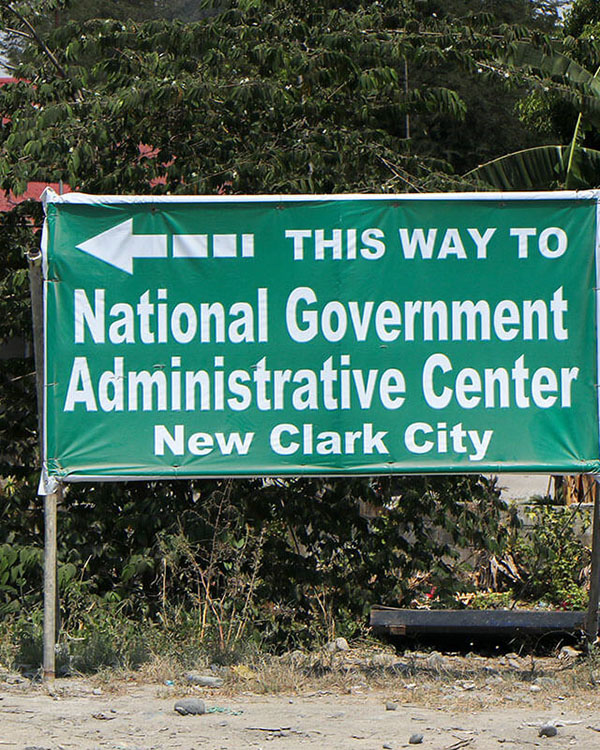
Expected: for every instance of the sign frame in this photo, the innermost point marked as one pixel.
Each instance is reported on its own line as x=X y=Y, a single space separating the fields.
x=50 y=477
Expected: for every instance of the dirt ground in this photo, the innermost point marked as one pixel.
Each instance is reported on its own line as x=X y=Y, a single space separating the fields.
x=339 y=701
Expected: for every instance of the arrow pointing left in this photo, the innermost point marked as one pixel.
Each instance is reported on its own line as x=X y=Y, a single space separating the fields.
x=118 y=246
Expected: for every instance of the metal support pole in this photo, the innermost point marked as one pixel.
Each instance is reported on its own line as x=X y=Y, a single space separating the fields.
x=591 y=620
x=50 y=501
x=50 y=588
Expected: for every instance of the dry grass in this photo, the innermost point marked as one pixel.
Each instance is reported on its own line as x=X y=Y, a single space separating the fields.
x=465 y=683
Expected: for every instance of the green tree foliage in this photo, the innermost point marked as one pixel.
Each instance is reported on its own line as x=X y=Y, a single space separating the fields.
x=563 y=102
x=582 y=16
x=34 y=20
x=575 y=165
x=270 y=97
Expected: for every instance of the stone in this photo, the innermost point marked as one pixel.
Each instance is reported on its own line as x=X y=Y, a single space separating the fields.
x=391 y=706
x=548 y=730
x=101 y=716
x=340 y=644
x=203 y=680
x=190 y=706
x=535 y=689
x=415 y=739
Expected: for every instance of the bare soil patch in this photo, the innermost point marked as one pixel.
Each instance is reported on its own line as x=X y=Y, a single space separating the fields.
x=363 y=699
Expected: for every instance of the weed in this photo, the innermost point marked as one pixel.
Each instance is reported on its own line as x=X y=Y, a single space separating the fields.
x=491 y=600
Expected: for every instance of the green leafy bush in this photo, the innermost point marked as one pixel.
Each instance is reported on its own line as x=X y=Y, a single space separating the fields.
x=553 y=558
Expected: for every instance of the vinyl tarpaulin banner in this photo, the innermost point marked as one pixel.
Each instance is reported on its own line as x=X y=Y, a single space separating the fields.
x=288 y=335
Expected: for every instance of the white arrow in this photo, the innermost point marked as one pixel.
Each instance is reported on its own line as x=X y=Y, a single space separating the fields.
x=118 y=246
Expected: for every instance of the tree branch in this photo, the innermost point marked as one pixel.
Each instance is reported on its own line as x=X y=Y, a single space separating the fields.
x=17 y=32
x=39 y=41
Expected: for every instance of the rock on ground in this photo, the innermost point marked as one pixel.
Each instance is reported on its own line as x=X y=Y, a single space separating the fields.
x=193 y=706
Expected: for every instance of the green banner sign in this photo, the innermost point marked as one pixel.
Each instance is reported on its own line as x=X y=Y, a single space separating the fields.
x=268 y=335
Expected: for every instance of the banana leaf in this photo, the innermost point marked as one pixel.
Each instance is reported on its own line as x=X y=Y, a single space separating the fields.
x=522 y=54
x=541 y=168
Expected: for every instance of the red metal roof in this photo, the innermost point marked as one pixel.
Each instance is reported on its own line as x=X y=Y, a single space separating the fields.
x=34 y=191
